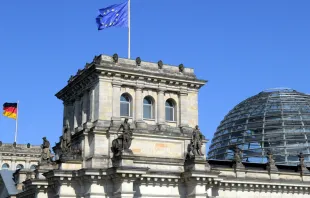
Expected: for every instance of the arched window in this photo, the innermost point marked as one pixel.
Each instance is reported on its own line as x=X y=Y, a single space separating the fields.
x=5 y=166
x=125 y=105
x=32 y=167
x=170 y=110
x=19 y=166
x=148 y=106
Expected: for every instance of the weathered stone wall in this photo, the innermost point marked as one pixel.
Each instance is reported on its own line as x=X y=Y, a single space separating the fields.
x=20 y=154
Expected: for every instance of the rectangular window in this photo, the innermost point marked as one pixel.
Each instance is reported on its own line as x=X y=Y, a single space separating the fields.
x=147 y=111
x=169 y=114
x=124 y=109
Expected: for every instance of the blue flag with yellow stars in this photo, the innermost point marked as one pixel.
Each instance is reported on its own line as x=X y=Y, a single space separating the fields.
x=114 y=15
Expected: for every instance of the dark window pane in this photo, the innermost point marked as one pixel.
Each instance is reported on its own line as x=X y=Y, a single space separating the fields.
x=124 y=109
x=125 y=98
x=147 y=111
x=169 y=103
x=169 y=113
x=147 y=101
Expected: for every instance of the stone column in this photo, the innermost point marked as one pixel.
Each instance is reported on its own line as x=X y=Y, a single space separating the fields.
x=196 y=188
x=183 y=108
x=116 y=100
x=76 y=112
x=140 y=124
x=123 y=187
x=160 y=107
x=91 y=105
x=27 y=164
x=84 y=108
x=70 y=115
x=138 y=104
x=65 y=116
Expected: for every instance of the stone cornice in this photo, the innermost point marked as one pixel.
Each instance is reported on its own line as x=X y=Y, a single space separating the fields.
x=78 y=84
x=127 y=70
x=150 y=76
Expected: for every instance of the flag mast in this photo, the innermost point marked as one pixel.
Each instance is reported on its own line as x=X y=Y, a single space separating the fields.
x=16 y=122
x=128 y=29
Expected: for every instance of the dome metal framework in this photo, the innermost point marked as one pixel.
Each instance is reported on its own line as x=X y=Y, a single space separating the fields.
x=277 y=120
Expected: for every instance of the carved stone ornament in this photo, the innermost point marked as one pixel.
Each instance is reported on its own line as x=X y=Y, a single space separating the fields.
x=181 y=68
x=70 y=79
x=123 y=141
x=96 y=59
x=160 y=64
x=87 y=65
x=79 y=71
x=115 y=58
x=138 y=61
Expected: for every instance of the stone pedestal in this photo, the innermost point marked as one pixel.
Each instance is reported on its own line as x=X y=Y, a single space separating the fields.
x=195 y=163
x=70 y=165
x=271 y=167
x=124 y=160
x=195 y=184
x=43 y=168
x=238 y=166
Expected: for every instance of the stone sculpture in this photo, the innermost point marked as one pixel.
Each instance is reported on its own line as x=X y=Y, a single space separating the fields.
x=237 y=155
x=123 y=141
x=115 y=58
x=302 y=168
x=237 y=160
x=181 y=68
x=46 y=153
x=270 y=158
x=65 y=140
x=271 y=165
x=196 y=141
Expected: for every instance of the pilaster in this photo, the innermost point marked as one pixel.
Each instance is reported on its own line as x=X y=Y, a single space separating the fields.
x=138 y=104
x=160 y=106
x=116 y=99
x=123 y=186
x=91 y=105
x=85 y=107
x=183 y=108
x=76 y=112
x=70 y=115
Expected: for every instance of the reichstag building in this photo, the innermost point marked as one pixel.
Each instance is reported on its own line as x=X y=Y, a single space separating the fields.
x=130 y=130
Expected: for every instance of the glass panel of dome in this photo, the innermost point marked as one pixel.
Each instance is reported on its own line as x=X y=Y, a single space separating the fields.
x=306 y=117
x=292 y=158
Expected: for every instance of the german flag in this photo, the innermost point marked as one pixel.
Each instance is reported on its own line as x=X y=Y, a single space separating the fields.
x=10 y=110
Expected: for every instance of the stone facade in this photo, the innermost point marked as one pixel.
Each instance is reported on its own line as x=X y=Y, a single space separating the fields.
x=18 y=156
x=101 y=155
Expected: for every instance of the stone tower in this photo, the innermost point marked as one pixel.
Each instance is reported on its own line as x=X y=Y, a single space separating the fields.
x=160 y=102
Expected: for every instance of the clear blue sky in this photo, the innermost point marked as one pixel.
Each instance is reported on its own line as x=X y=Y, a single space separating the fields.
x=242 y=47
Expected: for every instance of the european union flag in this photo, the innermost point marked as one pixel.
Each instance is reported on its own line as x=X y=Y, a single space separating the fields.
x=114 y=15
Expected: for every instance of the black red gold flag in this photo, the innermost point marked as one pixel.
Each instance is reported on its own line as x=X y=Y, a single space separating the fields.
x=10 y=110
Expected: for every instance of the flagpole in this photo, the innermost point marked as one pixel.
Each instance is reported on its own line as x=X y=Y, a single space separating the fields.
x=128 y=29
x=16 y=122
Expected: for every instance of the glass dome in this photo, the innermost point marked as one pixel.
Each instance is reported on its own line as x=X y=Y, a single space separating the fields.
x=275 y=119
